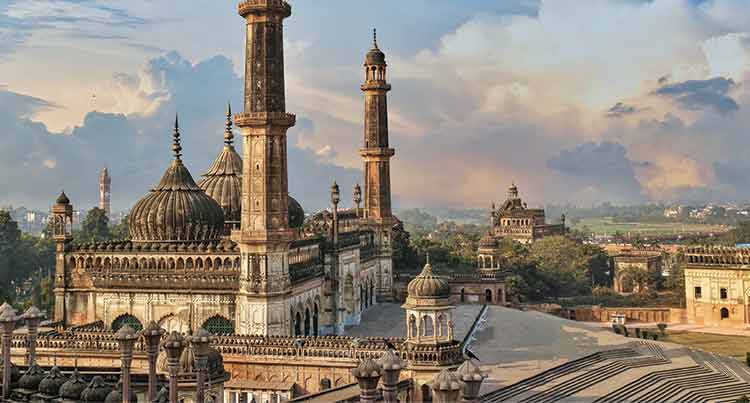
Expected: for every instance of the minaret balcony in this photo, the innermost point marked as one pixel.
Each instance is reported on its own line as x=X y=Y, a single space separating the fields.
x=255 y=119
x=373 y=85
x=377 y=152
x=259 y=7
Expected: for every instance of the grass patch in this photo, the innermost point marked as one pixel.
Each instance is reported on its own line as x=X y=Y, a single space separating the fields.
x=607 y=226
x=729 y=346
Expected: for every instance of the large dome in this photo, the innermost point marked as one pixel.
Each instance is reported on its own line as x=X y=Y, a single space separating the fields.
x=222 y=181
x=176 y=209
x=296 y=213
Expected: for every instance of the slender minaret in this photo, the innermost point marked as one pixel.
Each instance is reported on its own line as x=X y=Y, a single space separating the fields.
x=105 y=189
x=264 y=234
x=377 y=155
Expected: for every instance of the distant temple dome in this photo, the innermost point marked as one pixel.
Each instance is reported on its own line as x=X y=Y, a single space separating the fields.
x=428 y=286
x=176 y=209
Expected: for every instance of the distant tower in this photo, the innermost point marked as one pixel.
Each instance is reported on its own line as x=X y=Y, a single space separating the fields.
x=264 y=234
x=376 y=152
x=62 y=229
x=105 y=190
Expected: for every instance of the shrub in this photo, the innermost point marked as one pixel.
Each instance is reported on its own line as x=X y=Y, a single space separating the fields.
x=662 y=328
x=624 y=330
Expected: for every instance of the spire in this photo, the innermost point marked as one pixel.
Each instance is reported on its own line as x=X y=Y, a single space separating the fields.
x=228 y=133
x=374 y=38
x=176 y=139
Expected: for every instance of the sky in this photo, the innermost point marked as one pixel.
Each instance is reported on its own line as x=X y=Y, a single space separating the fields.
x=576 y=101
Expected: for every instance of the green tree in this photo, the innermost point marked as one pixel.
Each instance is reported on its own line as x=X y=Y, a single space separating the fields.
x=404 y=254
x=566 y=267
x=10 y=255
x=120 y=230
x=95 y=227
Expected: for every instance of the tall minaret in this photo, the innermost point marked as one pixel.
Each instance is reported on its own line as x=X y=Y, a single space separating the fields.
x=105 y=189
x=264 y=234
x=376 y=153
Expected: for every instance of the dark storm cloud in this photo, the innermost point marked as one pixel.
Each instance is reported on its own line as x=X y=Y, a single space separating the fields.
x=37 y=164
x=702 y=94
x=603 y=166
x=620 y=109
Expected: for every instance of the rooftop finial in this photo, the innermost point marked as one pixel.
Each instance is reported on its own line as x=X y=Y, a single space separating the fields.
x=375 y=38
x=176 y=147
x=428 y=257
x=228 y=133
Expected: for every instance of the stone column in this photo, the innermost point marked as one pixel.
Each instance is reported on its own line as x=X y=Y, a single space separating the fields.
x=472 y=378
x=201 y=343
x=126 y=338
x=8 y=320
x=173 y=345
x=33 y=317
x=368 y=374
x=152 y=335
x=392 y=366
x=446 y=385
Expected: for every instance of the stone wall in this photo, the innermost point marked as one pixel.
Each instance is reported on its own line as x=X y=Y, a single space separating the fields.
x=644 y=315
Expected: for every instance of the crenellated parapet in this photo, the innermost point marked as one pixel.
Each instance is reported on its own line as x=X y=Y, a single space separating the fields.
x=716 y=256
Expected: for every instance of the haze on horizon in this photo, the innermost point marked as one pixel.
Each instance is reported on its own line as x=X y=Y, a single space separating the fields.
x=576 y=101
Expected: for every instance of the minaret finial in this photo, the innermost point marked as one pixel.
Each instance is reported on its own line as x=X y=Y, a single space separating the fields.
x=428 y=257
x=176 y=147
x=375 y=38
x=228 y=133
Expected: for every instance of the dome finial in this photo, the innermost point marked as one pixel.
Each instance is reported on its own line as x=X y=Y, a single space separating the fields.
x=375 y=38
x=176 y=147
x=228 y=133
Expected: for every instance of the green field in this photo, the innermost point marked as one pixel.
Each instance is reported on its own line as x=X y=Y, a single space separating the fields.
x=730 y=346
x=605 y=226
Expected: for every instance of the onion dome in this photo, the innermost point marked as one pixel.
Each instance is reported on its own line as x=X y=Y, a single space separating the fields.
x=390 y=361
x=296 y=213
x=62 y=199
x=488 y=242
x=115 y=396
x=428 y=286
x=176 y=209
x=51 y=383
x=375 y=55
x=470 y=372
x=448 y=383
x=223 y=180
x=32 y=377
x=96 y=392
x=73 y=388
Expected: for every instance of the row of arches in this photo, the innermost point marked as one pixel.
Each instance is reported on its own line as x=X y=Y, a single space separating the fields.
x=306 y=321
x=216 y=324
x=516 y=221
x=427 y=327
x=366 y=294
x=171 y=263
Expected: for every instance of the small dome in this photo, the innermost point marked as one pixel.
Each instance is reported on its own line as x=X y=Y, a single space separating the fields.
x=470 y=372
x=367 y=368
x=115 y=396
x=32 y=377
x=296 y=213
x=51 y=384
x=73 y=387
x=176 y=209
x=428 y=286
x=96 y=392
x=375 y=55
x=446 y=380
x=62 y=199
x=391 y=362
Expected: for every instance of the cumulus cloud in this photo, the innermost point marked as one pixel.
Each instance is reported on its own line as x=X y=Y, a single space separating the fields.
x=136 y=147
x=702 y=94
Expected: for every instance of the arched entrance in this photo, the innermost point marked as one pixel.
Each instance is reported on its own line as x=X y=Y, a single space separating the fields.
x=463 y=295
x=315 y=320
x=488 y=296
x=724 y=313
x=297 y=324
x=426 y=393
x=307 y=321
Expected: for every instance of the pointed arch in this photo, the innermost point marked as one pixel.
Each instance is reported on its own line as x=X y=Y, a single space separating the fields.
x=218 y=324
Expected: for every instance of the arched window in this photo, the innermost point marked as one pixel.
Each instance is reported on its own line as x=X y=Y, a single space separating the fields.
x=412 y=326
x=297 y=324
x=218 y=325
x=463 y=295
x=372 y=293
x=325 y=384
x=442 y=325
x=426 y=394
x=127 y=319
x=488 y=296
x=724 y=313
x=315 y=320
x=428 y=328
x=307 y=321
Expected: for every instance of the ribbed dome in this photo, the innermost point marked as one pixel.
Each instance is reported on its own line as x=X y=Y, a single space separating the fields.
x=73 y=387
x=222 y=181
x=51 y=384
x=296 y=213
x=176 y=209
x=375 y=55
x=97 y=391
x=32 y=377
x=428 y=286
